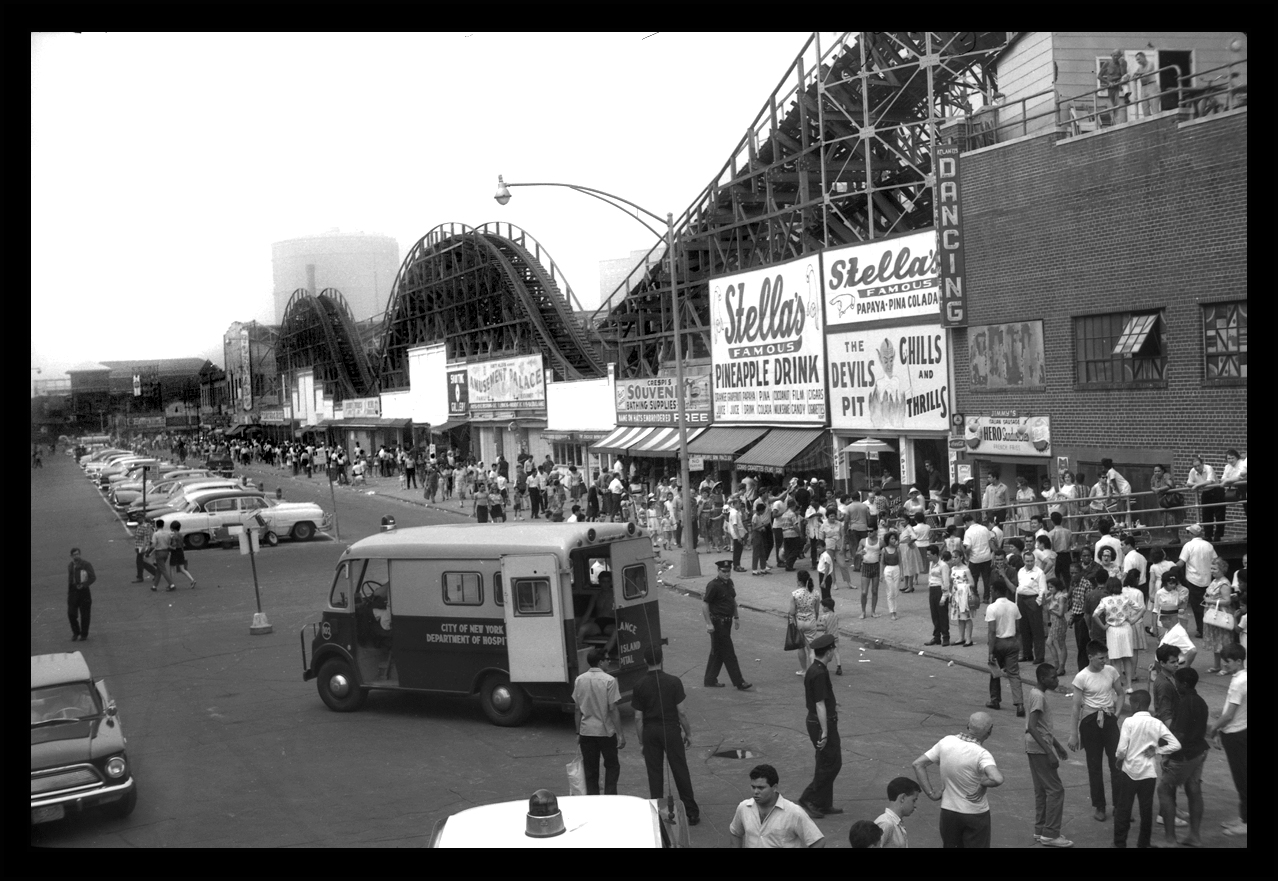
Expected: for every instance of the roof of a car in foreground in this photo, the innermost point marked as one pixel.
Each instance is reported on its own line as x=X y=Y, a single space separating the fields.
x=57 y=668
x=528 y=538
x=589 y=821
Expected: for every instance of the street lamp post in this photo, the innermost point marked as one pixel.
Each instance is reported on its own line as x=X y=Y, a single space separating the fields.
x=689 y=564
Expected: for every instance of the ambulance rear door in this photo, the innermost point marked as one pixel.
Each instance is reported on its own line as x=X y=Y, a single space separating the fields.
x=638 y=620
x=534 y=615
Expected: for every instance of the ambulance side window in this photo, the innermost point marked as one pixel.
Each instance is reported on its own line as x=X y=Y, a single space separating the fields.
x=634 y=582
x=463 y=589
x=498 y=596
x=532 y=596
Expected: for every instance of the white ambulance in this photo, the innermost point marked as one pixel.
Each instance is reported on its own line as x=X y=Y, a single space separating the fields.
x=497 y=610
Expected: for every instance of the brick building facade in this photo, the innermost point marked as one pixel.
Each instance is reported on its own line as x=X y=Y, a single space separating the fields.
x=1086 y=234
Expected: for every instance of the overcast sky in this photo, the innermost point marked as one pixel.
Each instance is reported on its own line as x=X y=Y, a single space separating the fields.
x=164 y=166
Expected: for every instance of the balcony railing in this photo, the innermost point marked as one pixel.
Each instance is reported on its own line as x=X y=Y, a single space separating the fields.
x=1208 y=92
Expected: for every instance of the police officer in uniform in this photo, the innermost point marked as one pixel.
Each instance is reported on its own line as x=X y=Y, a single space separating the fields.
x=663 y=729
x=720 y=611
x=822 y=723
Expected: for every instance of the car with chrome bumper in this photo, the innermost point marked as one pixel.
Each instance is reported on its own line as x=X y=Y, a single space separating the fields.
x=78 y=757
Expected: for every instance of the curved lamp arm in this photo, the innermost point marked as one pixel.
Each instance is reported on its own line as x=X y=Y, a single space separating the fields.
x=503 y=196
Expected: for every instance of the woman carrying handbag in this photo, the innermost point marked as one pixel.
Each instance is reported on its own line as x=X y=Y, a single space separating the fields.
x=803 y=617
x=1218 y=619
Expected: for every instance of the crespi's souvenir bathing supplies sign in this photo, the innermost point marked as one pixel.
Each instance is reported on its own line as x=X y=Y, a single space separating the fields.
x=768 y=345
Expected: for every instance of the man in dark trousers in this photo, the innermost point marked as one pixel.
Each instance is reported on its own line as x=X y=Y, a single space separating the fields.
x=80 y=578
x=719 y=609
x=662 y=729
x=823 y=728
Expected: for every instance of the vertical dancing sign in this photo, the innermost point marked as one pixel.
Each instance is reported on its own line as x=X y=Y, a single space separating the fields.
x=949 y=231
x=767 y=345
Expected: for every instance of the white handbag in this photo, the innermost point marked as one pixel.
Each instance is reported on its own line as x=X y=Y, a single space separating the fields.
x=1216 y=618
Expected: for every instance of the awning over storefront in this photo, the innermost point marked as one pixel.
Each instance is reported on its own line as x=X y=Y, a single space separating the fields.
x=619 y=440
x=449 y=426
x=780 y=448
x=717 y=441
x=661 y=442
x=237 y=429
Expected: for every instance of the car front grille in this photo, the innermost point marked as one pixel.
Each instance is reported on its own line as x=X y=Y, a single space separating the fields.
x=65 y=778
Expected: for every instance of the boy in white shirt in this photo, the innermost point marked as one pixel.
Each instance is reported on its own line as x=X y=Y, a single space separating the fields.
x=1232 y=728
x=903 y=796
x=1141 y=738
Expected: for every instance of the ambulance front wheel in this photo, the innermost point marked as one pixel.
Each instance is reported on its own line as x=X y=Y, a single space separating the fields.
x=338 y=686
x=504 y=703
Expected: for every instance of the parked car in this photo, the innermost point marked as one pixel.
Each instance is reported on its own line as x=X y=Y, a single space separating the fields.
x=189 y=496
x=98 y=453
x=77 y=742
x=220 y=462
x=125 y=494
x=95 y=467
x=122 y=469
x=174 y=499
x=209 y=512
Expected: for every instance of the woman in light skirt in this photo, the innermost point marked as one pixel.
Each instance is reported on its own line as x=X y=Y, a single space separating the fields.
x=961 y=599
x=1114 y=612
x=912 y=564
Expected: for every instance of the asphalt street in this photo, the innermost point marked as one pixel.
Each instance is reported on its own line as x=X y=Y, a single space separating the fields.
x=232 y=749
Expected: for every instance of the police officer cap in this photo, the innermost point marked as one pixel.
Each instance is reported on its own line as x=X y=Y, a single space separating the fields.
x=821 y=643
x=724 y=564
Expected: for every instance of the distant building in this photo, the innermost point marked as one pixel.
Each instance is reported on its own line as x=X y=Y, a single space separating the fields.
x=613 y=272
x=136 y=395
x=362 y=266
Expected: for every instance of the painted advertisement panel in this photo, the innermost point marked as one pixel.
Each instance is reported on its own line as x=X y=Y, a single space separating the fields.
x=507 y=383
x=652 y=401
x=1009 y=435
x=890 y=378
x=767 y=345
x=892 y=278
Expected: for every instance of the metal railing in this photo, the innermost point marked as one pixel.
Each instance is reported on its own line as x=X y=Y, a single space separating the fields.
x=1216 y=90
x=1156 y=524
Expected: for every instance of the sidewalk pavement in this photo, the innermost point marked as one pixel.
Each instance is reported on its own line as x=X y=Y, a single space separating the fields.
x=770 y=594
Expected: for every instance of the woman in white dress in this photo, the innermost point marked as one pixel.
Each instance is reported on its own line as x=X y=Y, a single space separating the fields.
x=962 y=599
x=1114 y=611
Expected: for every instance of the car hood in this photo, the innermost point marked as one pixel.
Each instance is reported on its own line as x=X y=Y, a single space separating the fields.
x=63 y=744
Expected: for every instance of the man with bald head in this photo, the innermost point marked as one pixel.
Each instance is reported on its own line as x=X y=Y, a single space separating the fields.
x=967 y=770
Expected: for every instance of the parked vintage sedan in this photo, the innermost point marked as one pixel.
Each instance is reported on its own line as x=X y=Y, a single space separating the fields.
x=77 y=742
x=124 y=494
x=122 y=469
x=209 y=512
x=191 y=495
x=175 y=497
x=96 y=467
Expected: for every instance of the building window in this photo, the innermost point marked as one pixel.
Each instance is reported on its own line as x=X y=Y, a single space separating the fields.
x=569 y=454
x=1122 y=348
x=1225 y=329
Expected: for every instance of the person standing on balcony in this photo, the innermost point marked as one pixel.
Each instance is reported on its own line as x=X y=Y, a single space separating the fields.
x=1113 y=76
x=1146 y=85
x=1212 y=497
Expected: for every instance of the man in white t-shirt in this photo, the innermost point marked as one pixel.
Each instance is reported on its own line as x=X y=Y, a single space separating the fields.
x=1197 y=556
x=976 y=540
x=1031 y=588
x=1232 y=728
x=1001 y=617
x=1097 y=698
x=1133 y=559
x=615 y=490
x=967 y=770
x=1174 y=634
